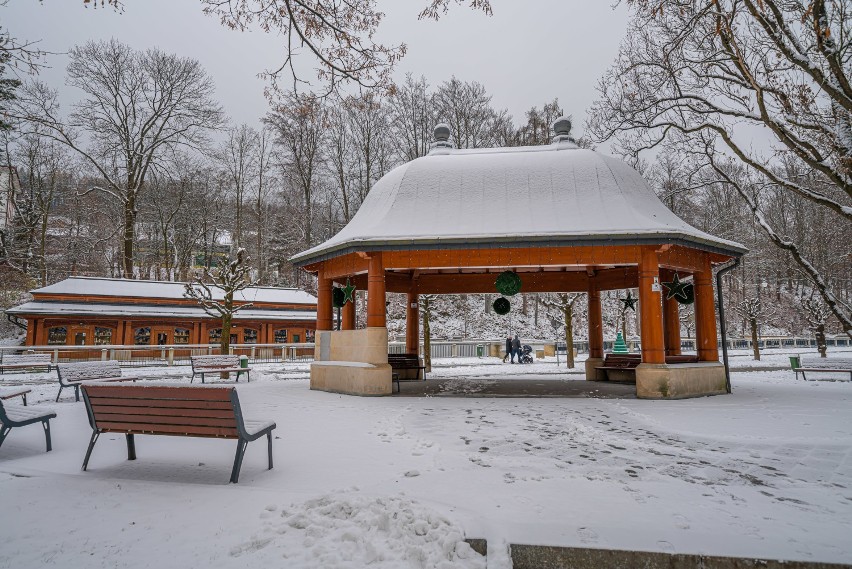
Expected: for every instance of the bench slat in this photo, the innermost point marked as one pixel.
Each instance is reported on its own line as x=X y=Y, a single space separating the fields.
x=163 y=411
x=160 y=420
x=172 y=403
x=160 y=393
x=186 y=430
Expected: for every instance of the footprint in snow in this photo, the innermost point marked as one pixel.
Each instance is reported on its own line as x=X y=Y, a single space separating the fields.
x=682 y=522
x=665 y=546
x=412 y=473
x=587 y=535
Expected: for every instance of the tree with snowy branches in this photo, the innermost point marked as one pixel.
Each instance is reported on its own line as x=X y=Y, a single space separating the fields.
x=564 y=303
x=754 y=311
x=817 y=313
x=227 y=280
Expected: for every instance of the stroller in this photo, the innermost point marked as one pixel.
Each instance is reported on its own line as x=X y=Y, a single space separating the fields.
x=525 y=356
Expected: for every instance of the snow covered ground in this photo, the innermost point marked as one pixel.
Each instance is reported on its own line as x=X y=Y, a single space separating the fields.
x=397 y=482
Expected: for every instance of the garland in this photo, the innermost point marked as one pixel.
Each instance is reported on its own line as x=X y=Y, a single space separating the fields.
x=501 y=306
x=508 y=283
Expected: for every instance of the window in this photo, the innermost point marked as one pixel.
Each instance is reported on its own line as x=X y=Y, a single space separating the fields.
x=249 y=336
x=309 y=335
x=57 y=336
x=215 y=335
x=181 y=336
x=281 y=336
x=80 y=339
x=103 y=336
x=142 y=336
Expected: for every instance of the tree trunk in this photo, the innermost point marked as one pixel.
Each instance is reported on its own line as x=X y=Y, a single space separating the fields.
x=427 y=335
x=822 y=348
x=754 y=344
x=569 y=335
x=129 y=234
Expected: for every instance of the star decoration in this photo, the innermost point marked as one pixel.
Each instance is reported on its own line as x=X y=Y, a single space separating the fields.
x=348 y=291
x=629 y=301
x=676 y=288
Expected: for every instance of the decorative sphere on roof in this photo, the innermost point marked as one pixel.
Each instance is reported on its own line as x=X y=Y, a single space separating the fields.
x=562 y=126
x=442 y=132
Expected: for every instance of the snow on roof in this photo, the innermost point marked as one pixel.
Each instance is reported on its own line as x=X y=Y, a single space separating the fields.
x=94 y=286
x=141 y=310
x=547 y=195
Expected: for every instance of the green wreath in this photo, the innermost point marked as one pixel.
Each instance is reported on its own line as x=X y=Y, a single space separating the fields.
x=508 y=283
x=337 y=297
x=501 y=306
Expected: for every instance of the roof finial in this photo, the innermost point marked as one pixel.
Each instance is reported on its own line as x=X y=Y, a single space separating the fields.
x=562 y=129
x=442 y=137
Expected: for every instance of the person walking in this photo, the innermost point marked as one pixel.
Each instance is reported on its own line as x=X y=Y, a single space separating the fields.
x=516 y=349
x=508 y=348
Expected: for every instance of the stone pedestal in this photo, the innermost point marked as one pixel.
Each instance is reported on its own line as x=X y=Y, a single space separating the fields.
x=593 y=374
x=352 y=361
x=680 y=381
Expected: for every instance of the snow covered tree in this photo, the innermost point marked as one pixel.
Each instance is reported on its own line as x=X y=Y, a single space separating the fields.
x=754 y=311
x=564 y=303
x=228 y=280
x=817 y=314
x=137 y=107
x=713 y=75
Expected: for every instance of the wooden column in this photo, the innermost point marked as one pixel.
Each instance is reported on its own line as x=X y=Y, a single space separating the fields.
x=595 y=322
x=705 y=315
x=376 y=308
x=412 y=324
x=325 y=312
x=671 y=318
x=347 y=315
x=650 y=308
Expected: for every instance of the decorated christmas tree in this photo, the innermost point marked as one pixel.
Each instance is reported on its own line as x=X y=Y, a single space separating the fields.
x=620 y=347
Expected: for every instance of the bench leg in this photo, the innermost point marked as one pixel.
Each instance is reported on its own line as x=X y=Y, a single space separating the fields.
x=269 y=444
x=238 y=460
x=46 y=426
x=131 y=447
x=92 y=442
x=60 y=392
x=191 y=379
x=4 y=430
x=77 y=392
x=24 y=395
x=202 y=378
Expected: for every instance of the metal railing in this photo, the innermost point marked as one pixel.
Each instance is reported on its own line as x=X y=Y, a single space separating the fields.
x=168 y=355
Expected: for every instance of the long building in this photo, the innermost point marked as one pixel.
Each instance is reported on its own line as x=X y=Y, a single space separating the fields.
x=85 y=311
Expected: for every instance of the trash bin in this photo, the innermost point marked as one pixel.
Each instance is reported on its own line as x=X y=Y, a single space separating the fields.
x=480 y=350
x=794 y=362
x=243 y=363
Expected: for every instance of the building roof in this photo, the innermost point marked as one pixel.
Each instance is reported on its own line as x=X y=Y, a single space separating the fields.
x=556 y=194
x=47 y=308
x=94 y=286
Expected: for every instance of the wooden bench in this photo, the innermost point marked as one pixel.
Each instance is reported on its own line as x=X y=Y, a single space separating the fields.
x=19 y=417
x=824 y=365
x=73 y=374
x=10 y=392
x=217 y=364
x=400 y=362
x=625 y=363
x=26 y=361
x=176 y=410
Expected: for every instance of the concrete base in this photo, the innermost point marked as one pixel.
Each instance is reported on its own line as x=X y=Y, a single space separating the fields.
x=593 y=374
x=352 y=361
x=680 y=381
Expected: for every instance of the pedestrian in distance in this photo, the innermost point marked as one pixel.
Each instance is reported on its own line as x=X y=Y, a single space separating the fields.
x=508 y=348
x=516 y=349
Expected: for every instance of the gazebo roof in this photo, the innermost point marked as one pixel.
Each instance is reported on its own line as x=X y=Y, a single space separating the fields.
x=554 y=195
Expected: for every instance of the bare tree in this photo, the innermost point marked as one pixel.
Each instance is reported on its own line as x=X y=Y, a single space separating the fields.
x=225 y=281
x=754 y=311
x=138 y=107
x=712 y=73
x=239 y=156
x=564 y=304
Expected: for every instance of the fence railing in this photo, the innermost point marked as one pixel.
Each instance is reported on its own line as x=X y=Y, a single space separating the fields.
x=171 y=354
x=179 y=354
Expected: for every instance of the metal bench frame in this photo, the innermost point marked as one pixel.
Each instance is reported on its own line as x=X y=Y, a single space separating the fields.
x=7 y=424
x=842 y=365
x=405 y=362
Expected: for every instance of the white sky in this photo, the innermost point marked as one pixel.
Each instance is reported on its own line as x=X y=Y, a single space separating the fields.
x=526 y=54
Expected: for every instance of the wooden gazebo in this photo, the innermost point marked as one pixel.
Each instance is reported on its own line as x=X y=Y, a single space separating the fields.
x=565 y=219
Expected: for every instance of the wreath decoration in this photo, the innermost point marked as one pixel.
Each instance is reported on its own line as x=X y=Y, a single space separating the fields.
x=501 y=306
x=508 y=283
x=338 y=297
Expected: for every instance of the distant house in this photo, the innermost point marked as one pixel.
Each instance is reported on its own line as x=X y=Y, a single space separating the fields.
x=87 y=311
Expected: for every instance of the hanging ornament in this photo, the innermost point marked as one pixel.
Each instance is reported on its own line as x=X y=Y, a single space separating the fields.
x=508 y=283
x=629 y=301
x=501 y=306
x=348 y=292
x=688 y=295
x=676 y=289
x=338 y=297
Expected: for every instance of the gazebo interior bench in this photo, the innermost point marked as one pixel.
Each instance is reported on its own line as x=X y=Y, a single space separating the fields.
x=400 y=362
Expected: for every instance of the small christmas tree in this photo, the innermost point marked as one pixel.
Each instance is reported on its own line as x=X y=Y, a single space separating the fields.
x=620 y=347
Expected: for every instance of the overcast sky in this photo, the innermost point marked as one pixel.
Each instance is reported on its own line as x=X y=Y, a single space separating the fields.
x=526 y=54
